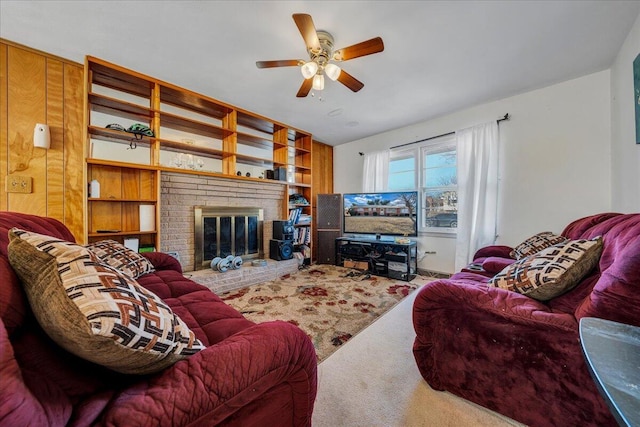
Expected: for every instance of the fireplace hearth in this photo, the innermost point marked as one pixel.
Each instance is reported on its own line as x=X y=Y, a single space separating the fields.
x=222 y=231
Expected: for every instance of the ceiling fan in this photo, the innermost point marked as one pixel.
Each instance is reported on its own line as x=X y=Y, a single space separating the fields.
x=321 y=54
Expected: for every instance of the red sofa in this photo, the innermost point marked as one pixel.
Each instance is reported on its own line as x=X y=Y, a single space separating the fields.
x=249 y=374
x=519 y=356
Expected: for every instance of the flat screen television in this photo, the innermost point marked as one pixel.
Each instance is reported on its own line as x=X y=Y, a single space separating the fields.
x=384 y=214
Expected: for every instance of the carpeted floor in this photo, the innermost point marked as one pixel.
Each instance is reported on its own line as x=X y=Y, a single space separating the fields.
x=373 y=381
x=331 y=304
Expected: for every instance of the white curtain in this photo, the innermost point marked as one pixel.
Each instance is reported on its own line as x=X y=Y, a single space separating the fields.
x=477 y=149
x=375 y=172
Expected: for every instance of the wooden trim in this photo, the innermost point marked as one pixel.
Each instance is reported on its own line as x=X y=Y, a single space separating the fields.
x=4 y=124
x=39 y=52
x=54 y=172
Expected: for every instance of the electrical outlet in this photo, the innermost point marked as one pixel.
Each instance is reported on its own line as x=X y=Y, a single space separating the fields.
x=18 y=184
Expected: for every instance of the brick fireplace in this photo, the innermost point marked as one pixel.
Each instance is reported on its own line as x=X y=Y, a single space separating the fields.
x=222 y=231
x=181 y=193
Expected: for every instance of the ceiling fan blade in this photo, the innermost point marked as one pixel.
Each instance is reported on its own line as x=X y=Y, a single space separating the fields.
x=280 y=63
x=305 y=88
x=308 y=30
x=368 y=47
x=349 y=81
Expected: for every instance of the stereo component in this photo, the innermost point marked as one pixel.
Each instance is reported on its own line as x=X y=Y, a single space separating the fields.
x=282 y=230
x=280 y=249
x=329 y=212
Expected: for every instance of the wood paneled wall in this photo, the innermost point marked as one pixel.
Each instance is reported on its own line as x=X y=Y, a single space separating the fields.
x=39 y=88
x=36 y=87
x=322 y=178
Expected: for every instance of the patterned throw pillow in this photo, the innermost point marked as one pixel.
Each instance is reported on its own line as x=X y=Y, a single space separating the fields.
x=121 y=258
x=536 y=243
x=94 y=311
x=552 y=271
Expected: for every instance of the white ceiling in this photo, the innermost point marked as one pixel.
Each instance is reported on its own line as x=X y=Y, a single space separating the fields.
x=439 y=57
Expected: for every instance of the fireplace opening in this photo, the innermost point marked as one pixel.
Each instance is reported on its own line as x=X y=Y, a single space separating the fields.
x=224 y=231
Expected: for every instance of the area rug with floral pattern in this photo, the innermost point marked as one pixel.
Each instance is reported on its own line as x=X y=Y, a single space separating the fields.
x=331 y=304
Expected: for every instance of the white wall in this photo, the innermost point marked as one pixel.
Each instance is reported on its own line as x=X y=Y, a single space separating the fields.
x=625 y=162
x=554 y=167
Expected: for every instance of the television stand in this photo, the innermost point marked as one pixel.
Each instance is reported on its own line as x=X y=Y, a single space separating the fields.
x=382 y=257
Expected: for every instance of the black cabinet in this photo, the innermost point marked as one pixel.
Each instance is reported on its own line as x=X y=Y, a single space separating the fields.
x=378 y=256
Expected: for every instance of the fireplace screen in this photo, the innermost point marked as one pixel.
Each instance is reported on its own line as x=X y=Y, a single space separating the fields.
x=224 y=231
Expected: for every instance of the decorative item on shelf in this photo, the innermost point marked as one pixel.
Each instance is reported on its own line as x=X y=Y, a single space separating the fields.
x=239 y=173
x=189 y=162
x=248 y=174
x=298 y=199
x=270 y=174
x=139 y=130
x=42 y=136
x=116 y=126
x=132 y=243
x=188 y=141
x=94 y=189
x=178 y=160
x=147 y=217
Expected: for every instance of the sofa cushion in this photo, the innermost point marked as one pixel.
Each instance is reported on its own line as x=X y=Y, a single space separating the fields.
x=95 y=312
x=536 y=243
x=495 y=265
x=121 y=258
x=552 y=271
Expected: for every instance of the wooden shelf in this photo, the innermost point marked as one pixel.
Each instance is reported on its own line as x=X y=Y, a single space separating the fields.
x=190 y=101
x=117 y=107
x=117 y=79
x=123 y=233
x=243 y=141
x=104 y=199
x=255 y=141
x=184 y=124
x=200 y=150
x=103 y=162
x=120 y=137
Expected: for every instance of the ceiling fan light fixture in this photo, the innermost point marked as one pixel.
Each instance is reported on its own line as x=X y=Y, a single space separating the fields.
x=318 y=82
x=332 y=71
x=309 y=69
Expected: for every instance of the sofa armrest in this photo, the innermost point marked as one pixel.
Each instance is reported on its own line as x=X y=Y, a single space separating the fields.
x=497 y=303
x=495 y=265
x=506 y=352
x=163 y=261
x=494 y=250
x=216 y=383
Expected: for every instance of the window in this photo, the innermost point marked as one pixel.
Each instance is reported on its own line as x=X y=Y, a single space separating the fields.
x=402 y=171
x=432 y=164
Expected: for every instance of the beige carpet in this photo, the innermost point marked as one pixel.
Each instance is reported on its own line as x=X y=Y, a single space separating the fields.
x=373 y=381
x=331 y=304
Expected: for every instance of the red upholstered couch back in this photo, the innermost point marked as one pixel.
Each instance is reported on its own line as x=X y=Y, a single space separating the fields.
x=613 y=290
x=56 y=380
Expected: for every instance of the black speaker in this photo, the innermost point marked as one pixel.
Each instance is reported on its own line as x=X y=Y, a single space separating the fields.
x=280 y=249
x=326 y=247
x=280 y=173
x=329 y=212
x=282 y=230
